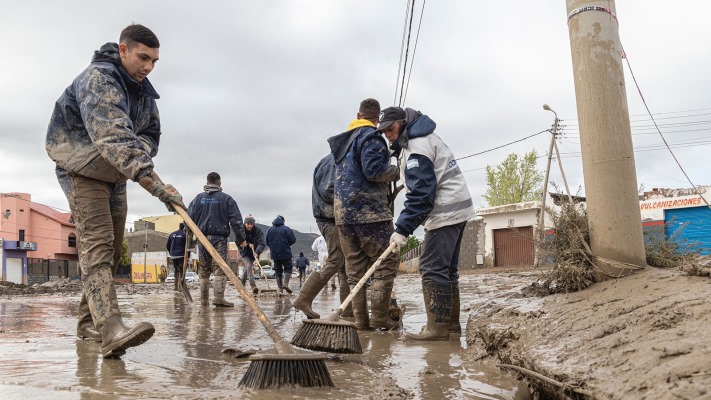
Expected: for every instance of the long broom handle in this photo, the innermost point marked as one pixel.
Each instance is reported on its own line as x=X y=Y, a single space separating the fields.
x=365 y=277
x=282 y=346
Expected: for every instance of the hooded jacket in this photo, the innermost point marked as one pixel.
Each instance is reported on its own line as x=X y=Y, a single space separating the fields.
x=302 y=262
x=322 y=190
x=254 y=237
x=437 y=194
x=105 y=125
x=214 y=212
x=362 y=175
x=279 y=239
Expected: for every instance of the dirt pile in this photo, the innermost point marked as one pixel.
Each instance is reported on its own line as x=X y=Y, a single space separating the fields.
x=56 y=286
x=645 y=336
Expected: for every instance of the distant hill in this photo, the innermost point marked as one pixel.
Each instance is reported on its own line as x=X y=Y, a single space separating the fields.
x=303 y=242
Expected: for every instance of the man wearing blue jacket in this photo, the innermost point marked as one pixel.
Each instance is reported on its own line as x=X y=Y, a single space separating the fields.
x=255 y=246
x=176 y=250
x=105 y=130
x=280 y=238
x=438 y=198
x=363 y=212
x=214 y=213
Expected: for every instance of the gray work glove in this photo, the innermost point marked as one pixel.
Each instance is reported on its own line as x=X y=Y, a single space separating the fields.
x=165 y=193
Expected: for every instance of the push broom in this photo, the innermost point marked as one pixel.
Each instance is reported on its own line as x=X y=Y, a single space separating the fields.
x=330 y=334
x=284 y=366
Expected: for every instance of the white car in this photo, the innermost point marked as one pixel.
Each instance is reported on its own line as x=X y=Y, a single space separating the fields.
x=191 y=277
x=170 y=278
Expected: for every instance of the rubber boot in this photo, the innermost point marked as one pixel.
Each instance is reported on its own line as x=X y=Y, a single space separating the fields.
x=204 y=292
x=438 y=304
x=344 y=291
x=219 y=291
x=85 y=328
x=286 y=283
x=380 y=292
x=360 y=309
x=313 y=284
x=176 y=281
x=103 y=303
x=454 y=325
x=280 y=284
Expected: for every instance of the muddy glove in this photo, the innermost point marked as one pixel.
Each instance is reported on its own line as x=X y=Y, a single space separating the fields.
x=165 y=193
x=399 y=240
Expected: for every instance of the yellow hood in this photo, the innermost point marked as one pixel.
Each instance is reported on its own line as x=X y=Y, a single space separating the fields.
x=357 y=123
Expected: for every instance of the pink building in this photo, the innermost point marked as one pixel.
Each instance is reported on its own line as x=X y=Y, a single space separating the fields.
x=38 y=242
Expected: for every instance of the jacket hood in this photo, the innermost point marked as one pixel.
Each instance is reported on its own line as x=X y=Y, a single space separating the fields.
x=421 y=126
x=110 y=53
x=210 y=188
x=342 y=142
x=279 y=220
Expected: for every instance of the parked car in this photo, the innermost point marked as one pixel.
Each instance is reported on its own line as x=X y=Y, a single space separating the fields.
x=268 y=272
x=191 y=277
x=170 y=278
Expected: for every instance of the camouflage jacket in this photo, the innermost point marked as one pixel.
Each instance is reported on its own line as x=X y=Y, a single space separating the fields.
x=363 y=175
x=105 y=125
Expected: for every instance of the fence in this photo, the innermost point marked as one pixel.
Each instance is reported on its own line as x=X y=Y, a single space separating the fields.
x=41 y=270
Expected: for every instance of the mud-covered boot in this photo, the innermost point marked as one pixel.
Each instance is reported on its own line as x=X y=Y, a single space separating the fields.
x=103 y=303
x=280 y=284
x=343 y=291
x=380 y=292
x=176 y=283
x=286 y=283
x=313 y=284
x=438 y=304
x=219 y=291
x=85 y=328
x=360 y=310
x=454 y=325
x=204 y=292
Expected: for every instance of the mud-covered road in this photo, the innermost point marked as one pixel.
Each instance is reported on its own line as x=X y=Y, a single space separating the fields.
x=41 y=356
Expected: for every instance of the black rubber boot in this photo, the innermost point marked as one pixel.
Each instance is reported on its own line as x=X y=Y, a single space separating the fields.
x=287 y=277
x=454 y=325
x=204 y=292
x=314 y=283
x=438 y=304
x=280 y=284
x=360 y=310
x=380 y=292
x=103 y=303
x=85 y=328
x=343 y=291
x=219 y=289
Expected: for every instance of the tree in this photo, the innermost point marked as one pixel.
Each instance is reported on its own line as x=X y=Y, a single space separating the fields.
x=125 y=259
x=513 y=181
x=412 y=242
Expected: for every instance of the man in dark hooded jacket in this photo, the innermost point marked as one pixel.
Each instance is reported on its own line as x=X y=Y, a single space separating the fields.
x=105 y=130
x=215 y=212
x=255 y=246
x=176 y=250
x=437 y=198
x=301 y=263
x=363 y=212
x=280 y=238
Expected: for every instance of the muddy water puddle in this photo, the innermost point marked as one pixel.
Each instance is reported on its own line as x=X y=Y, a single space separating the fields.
x=41 y=356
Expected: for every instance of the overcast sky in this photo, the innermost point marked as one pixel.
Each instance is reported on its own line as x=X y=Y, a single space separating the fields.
x=252 y=90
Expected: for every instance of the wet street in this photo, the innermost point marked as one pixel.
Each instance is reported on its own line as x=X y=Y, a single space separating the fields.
x=41 y=356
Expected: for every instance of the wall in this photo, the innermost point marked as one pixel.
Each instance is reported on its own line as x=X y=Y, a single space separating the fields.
x=472 y=244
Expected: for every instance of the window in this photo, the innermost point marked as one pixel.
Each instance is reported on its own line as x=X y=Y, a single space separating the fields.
x=22 y=235
x=72 y=240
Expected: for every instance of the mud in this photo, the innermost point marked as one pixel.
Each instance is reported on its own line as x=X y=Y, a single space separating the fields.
x=645 y=336
x=186 y=358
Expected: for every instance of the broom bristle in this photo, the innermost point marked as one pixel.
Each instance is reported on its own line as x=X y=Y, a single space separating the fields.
x=328 y=336
x=272 y=371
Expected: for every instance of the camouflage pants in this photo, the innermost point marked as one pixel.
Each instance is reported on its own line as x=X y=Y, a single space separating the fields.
x=206 y=264
x=335 y=263
x=99 y=212
x=362 y=244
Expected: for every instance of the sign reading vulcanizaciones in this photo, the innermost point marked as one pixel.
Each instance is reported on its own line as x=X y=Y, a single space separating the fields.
x=671 y=203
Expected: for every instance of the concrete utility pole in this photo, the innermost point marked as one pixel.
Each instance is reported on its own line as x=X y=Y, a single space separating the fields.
x=605 y=137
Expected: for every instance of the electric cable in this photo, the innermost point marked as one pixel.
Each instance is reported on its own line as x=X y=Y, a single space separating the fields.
x=503 y=145
x=402 y=47
x=414 y=50
x=407 y=49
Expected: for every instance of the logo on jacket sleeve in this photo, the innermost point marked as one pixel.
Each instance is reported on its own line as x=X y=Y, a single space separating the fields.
x=412 y=163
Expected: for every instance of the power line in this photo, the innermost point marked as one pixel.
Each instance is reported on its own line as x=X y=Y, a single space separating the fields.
x=402 y=47
x=414 y=50
x=407 y=49
x=503 y=145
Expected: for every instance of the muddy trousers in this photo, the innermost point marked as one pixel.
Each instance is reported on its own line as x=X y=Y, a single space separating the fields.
x=334 y=264
x=282 y=273
x=248 y=274
x=177 y=272
x=362 y=245
x=206 y=266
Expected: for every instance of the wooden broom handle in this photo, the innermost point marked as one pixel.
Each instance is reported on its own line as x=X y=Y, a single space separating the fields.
x=365 y=277
x=282 y=346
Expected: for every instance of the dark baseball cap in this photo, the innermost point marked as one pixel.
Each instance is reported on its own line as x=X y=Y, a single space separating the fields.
x=390 y=115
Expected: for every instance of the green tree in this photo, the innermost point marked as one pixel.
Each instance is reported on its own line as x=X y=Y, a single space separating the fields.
x=264 y=262
x=513 y=181
x=412 y=242
x=125 y=259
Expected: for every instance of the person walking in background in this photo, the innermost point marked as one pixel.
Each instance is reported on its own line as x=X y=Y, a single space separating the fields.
x=438 y=198
x=105 y=130
x=215 y=212
x=363 y=212
x=250 y=252
x=280 y=238
x=176 y=250
x=301 y=263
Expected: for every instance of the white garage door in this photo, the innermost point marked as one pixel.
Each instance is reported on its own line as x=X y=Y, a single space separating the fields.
x=14 y=270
